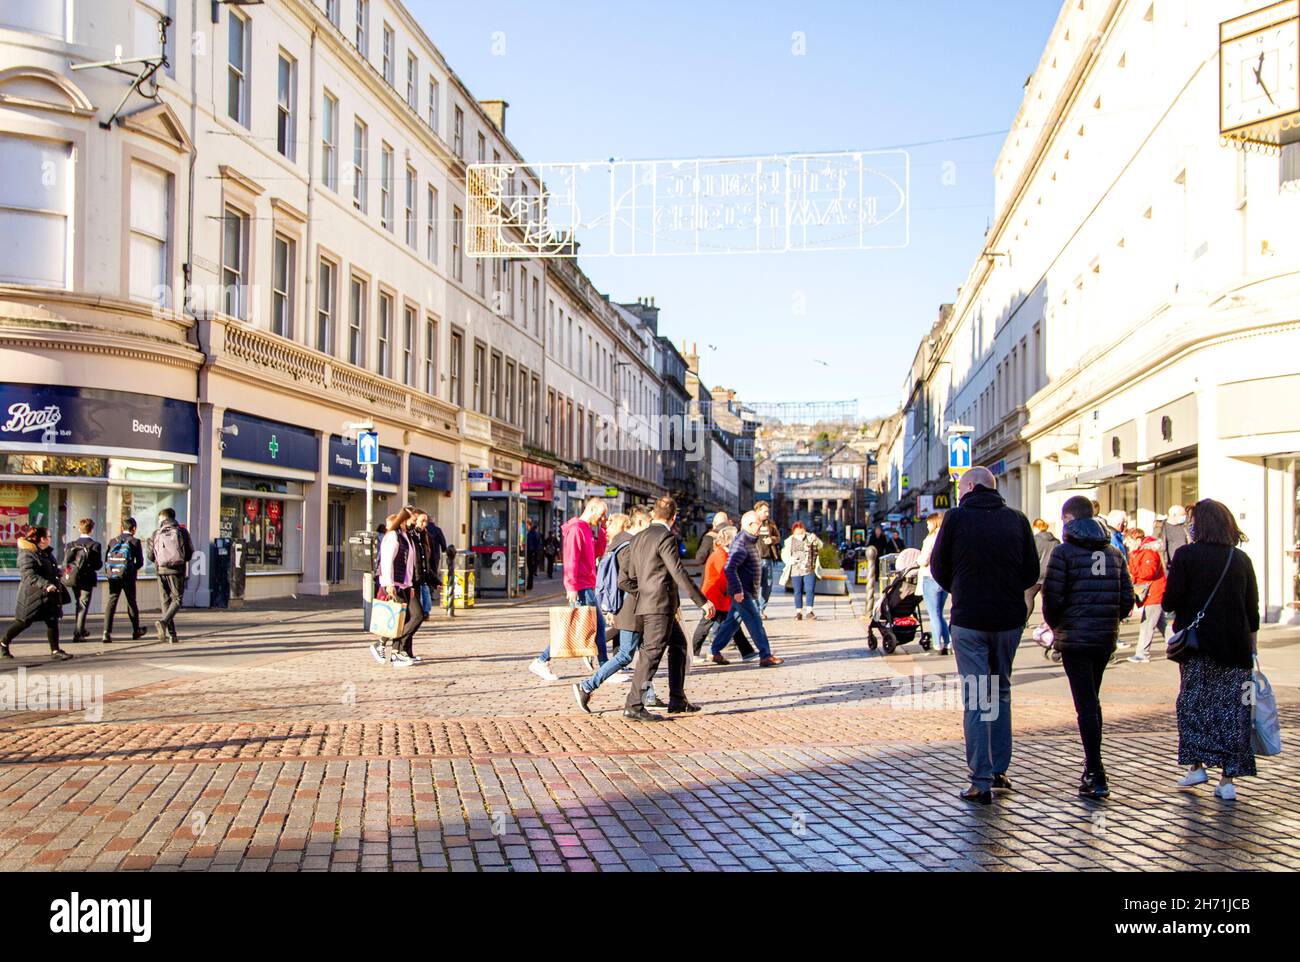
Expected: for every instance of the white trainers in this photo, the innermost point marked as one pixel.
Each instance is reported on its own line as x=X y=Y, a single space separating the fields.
x=1197 y=776
x=542 y=671
x=377 y=653
x=1138 y=659
x=1226 y=792
x=402 y=660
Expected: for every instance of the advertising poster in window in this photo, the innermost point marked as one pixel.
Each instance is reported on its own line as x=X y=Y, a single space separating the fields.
x=273 y=533
x=251 y=531
x=229 y=514
x=20 y=505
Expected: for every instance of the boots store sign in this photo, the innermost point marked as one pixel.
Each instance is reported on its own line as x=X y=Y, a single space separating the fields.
x=94 y=421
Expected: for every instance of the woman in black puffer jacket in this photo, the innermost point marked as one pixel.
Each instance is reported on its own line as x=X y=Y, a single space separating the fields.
x=1086 y=592
x=41 y=594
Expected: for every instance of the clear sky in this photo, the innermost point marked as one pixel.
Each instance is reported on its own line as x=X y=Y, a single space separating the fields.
x=592 y=79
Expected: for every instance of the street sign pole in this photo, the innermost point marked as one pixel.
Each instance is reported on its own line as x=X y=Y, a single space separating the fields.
x=368 y=577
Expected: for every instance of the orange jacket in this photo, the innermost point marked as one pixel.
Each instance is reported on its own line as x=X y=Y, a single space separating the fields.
x=715 y=580
x=1146 y=568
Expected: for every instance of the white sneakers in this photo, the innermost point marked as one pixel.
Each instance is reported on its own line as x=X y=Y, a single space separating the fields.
x=1197 y=776
x=1227 y=792
x=402 y=660
x=377 y=653
x=542 y=671
x=1139 y=659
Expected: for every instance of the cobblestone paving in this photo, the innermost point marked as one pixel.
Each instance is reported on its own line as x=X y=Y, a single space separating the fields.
x=309 y=756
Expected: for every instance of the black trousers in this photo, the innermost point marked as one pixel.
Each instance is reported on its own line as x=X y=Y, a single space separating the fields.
x=82 y=596
x=532 y=568
x=1084 y=669
x=707 y=626
x=660 y=633
x=414 y=619
x=173 y=590
x=550 y=566
x=124 y=588
x=21 y=624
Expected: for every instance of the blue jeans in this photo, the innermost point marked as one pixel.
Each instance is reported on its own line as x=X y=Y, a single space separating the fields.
x=426 y=598
x=936 y=599
x=587 y=596
x=747 y=612
x=765 y=578
x=628 y=643
x=803 y=585
x=984 y=667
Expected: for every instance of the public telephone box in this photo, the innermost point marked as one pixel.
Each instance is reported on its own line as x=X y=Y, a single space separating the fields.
x=498 y=526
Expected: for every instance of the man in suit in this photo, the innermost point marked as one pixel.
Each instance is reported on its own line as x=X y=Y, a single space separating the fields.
x=653 y=572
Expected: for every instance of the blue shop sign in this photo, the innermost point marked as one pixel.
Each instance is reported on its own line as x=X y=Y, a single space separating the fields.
x=96 y=421
x=270 y=442
x=344 y=463
x=429 y=473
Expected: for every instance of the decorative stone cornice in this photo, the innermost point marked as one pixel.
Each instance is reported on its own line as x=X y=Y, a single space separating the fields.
x=181 y=356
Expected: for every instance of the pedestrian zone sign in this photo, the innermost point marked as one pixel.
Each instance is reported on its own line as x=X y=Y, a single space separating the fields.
x=958 y=455
x=368 y=447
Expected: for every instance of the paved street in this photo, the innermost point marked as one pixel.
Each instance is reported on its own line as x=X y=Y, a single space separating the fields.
x=271 y=741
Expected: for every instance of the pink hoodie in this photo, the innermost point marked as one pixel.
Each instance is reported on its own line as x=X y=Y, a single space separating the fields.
x=581 y=549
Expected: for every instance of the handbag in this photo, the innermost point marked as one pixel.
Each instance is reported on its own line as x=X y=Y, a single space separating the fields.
x=1184 y=643
x=1266 y=729
x=573 y=631
x=387 y=617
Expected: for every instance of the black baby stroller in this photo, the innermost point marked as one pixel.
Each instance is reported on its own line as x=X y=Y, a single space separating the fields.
x=897 y=618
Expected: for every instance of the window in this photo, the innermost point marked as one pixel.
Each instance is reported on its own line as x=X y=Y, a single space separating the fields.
x=482 y=149
x=454 y=366
x=286 y=125
x=509 y=294
x=332 y=11
x=357 y=304
x=509 y=409
x=430 y=356
x=46 y=18
x=534 y=397
x=360 y=134
x=282 y=286
x=431 y=225
x=385 y=186
x=329 y=142
x=237 y=69
x=480 y=359
x=150 y=226
x=390 y=42
x=363 y=28
x=480 y=277
x=537 y=308
x=494 y=386
x=234 y=265
x=411 y=181
x=325 y=306
x=457 y=261
x=412 y=80
x=383 y=359
x=458 y=134
x=408 y=346
x=434 y=92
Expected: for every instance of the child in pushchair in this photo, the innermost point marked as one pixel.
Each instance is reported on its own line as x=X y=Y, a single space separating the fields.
x=896 y=619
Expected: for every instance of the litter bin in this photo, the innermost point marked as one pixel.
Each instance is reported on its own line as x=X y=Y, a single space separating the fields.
x=219 y=578
x=459 y=580
x=238 y=570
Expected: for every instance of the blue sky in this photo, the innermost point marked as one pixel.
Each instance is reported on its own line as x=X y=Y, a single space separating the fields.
x=589 y=80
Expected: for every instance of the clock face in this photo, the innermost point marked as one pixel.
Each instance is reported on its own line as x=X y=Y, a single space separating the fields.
x=1259 y=76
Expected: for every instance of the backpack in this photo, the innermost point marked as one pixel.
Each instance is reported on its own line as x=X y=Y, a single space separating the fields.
x=609 y=596
x=169 y=547
x=74 y=561
x=118 y=562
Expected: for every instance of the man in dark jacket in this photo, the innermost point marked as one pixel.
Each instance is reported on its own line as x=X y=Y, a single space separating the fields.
x=985 y=558
x=743 y=580
x=769 y=552
x=1044 y=541
x=705 y=547
x=170 y=549
x=124 y=584
x=82 y=558
x=651 y=568
x=1086 y=593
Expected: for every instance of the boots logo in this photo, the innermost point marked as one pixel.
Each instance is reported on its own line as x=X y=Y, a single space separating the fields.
x=23 y=420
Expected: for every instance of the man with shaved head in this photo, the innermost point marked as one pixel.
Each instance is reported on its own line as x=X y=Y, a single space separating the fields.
x=985 y=558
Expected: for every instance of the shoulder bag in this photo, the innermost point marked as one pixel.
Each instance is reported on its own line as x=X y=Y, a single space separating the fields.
x=1184 y=643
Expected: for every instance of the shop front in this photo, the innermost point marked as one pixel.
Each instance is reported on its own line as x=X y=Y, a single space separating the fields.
x=537 y=483
x=70 y=453
x=267 y=469
x=346 y=512
x=429 y=487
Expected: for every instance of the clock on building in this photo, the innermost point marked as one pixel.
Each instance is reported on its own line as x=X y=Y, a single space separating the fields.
x=1259 y=75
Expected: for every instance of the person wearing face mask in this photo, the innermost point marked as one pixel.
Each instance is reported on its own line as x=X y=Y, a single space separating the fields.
x=41 y=596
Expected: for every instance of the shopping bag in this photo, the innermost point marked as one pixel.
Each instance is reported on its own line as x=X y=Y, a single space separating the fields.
x=1266 y=732
x=387 y=618
x=573 y=632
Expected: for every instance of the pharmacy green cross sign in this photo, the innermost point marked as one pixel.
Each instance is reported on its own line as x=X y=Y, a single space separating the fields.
x=273 y=446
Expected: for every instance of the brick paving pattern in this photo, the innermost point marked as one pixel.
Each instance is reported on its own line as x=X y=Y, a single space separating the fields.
x=307 y=755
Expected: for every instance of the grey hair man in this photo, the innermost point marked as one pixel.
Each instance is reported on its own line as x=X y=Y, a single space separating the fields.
x=720 y=521
x=985 y=557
